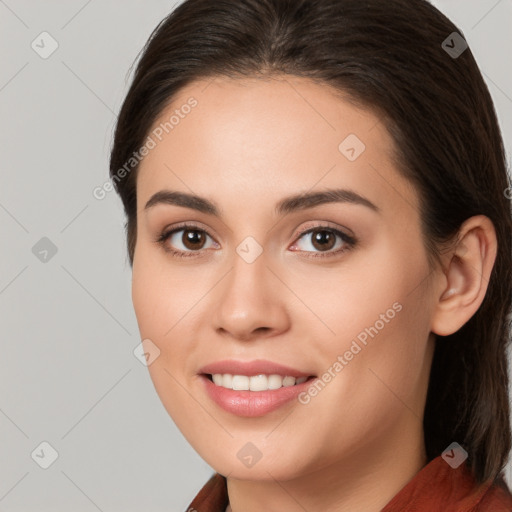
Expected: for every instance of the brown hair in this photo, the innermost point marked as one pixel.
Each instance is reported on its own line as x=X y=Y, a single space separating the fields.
x=386 y=56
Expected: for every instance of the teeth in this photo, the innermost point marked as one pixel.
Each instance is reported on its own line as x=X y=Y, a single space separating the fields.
x=255 y=383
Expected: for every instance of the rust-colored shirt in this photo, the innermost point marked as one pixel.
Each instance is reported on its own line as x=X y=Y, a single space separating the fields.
x=436 y=488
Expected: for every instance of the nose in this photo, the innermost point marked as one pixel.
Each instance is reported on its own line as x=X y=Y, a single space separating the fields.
x=251 y=302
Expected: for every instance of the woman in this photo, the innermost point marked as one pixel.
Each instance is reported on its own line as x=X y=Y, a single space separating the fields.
x=319 y=228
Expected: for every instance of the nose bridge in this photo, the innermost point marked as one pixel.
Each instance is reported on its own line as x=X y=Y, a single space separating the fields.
x=248 y=300
x=248 y=279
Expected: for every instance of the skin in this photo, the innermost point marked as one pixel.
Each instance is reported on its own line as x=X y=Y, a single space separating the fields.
x=245 y=146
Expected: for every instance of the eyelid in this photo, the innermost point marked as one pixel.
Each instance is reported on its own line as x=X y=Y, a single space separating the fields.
x=348 y=233
x=184 y=225
x=349 y=239
x=165 y=234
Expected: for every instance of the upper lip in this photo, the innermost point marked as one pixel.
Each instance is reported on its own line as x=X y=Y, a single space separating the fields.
x=250 y=368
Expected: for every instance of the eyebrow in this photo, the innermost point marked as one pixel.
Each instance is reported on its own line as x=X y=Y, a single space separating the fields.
x=285 y=206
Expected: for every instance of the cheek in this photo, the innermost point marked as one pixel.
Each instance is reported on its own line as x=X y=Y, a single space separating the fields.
x=381 y=383
x=371 y=295
x=144 y=296
x=379 y=314
x=160 y=294
x=167 y=305
x=159 y=307
x=387 y=361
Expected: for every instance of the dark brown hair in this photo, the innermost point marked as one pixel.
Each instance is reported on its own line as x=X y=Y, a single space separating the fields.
x=387 y=56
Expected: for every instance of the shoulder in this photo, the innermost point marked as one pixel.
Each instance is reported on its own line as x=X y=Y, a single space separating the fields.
x=497 y=498
x=439 y=487
x=212 y=497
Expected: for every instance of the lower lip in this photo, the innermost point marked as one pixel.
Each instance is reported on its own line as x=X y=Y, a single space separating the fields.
x=252 y=403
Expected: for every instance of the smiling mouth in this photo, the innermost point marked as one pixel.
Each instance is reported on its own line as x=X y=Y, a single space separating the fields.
x=260 y=382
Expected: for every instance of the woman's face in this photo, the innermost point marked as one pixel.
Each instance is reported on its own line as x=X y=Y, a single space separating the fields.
x=335 y=287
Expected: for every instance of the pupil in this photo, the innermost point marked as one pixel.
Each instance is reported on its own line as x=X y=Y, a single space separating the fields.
x=192 y=238
x=323 y=238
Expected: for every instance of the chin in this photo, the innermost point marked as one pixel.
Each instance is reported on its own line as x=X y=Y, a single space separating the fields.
x=282 y=469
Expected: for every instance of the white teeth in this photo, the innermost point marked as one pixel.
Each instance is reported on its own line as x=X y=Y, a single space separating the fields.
x=240 y=382
x=217 y=379
x=256 y=382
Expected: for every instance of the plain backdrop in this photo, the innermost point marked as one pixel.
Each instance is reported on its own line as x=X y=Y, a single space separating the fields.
x=68 y=376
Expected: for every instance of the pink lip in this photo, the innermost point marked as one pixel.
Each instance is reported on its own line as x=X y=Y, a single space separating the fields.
x=250 y=368
x=252 y=403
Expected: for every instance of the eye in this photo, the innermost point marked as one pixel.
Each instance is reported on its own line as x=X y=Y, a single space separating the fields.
x=185 y=240
x=324 y=239
x=188 y=240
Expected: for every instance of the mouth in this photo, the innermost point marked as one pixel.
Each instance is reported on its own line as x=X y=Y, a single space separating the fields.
x=255 y=395
x=257 y=383
x=253 y=388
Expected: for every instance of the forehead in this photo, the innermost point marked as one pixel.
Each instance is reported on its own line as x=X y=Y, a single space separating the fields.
x=255 y=139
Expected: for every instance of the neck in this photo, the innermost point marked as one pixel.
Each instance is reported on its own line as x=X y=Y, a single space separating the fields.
x=365 y=483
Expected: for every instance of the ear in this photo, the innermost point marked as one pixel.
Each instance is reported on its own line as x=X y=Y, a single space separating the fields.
x=467 y=270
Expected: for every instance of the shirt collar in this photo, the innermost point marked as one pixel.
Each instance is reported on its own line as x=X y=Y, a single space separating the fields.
x=437 y=486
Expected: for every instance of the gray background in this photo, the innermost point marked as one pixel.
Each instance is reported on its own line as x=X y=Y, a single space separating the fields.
x=68 y=374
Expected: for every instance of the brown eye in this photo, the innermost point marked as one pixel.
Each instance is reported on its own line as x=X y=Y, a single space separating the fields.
x=186 y=240
x=193 y=239
x=323 y=239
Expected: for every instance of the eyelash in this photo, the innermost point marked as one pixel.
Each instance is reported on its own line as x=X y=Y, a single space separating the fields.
x=349 y=241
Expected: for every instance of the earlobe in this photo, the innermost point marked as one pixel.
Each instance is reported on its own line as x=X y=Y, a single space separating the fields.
x=466 y=275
